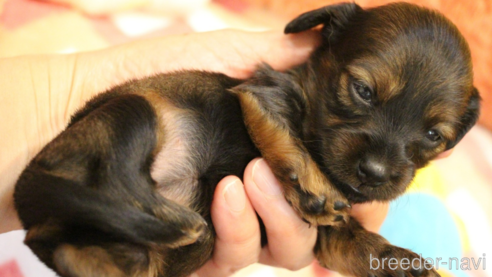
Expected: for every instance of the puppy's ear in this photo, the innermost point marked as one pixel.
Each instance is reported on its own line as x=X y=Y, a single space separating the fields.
x=468 y=119
x=334 y=18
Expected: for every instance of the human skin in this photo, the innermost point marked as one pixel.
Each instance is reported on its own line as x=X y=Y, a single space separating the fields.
x=40 y=93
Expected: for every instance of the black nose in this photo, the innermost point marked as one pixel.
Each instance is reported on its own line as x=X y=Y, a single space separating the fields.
x=373 y=172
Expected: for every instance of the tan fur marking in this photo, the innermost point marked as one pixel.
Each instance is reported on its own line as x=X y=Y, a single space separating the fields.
x=85 y=262
x=447 y=116
x=95 y=261
x=192 y=235
x=156 y=261
x=282 y=151
x=344 y=91
x=40 y=232
x=447 y=131
x=443 y=112
x=161 y=107
x=172 y=169
x=333 y=120
x=363 y=75
x=382 y=79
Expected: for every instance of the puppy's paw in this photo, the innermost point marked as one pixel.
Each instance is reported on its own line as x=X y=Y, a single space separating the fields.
x=395 y=261
x=184 y=226
x=191 y=230
x=316 y=200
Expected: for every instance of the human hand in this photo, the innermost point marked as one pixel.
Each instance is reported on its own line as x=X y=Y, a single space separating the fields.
x=290 y=240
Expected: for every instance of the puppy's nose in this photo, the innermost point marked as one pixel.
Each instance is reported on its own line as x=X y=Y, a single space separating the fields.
x=373 y=172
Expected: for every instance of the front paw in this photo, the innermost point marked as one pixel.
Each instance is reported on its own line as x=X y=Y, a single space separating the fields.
x=323 y=205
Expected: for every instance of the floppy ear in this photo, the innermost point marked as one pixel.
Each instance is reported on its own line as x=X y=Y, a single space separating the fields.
x=334 y=18
x=468 y=119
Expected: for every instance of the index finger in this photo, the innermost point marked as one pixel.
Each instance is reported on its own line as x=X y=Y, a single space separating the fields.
x=234 y=53
x=278 y=50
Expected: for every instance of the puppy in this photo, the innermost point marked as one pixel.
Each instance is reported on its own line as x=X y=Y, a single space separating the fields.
x=126 y=189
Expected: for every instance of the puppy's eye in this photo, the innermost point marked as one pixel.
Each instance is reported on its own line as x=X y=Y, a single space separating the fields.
x=433 y=135
x=363 y=91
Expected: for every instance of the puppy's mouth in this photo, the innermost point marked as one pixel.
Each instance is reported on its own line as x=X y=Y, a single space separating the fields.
x=358 y=191
x=351 y=192
x=359 y=187
x=355 y=188
x=363 y=192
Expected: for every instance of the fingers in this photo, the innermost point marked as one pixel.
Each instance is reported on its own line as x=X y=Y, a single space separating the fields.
x=290 y=240
x=237 y=244
x=274 y=48
x=234 y=53
x=285 y=51
x=371 y=215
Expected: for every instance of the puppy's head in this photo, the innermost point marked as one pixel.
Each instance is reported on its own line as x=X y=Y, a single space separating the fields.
x=392 y=88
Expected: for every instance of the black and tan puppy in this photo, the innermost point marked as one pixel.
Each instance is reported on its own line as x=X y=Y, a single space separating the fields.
x=126 y=189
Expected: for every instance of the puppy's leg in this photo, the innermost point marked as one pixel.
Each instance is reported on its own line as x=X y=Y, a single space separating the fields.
x=70 y=257
x=122 y=241
x=273 y=107
x=85 y=261
x=353 y=251
x=89 y=192
x=42 y=240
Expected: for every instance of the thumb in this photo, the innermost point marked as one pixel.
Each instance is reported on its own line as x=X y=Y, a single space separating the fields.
x=237 y=244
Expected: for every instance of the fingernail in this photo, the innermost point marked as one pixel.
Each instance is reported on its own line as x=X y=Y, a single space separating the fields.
x=265 y=180
x=234 y=196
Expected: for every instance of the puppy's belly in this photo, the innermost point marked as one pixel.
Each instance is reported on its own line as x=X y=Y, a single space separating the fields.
x=173 y=168
x=176 y=178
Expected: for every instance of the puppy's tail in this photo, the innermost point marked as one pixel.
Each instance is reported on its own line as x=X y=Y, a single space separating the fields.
x=41 y=197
